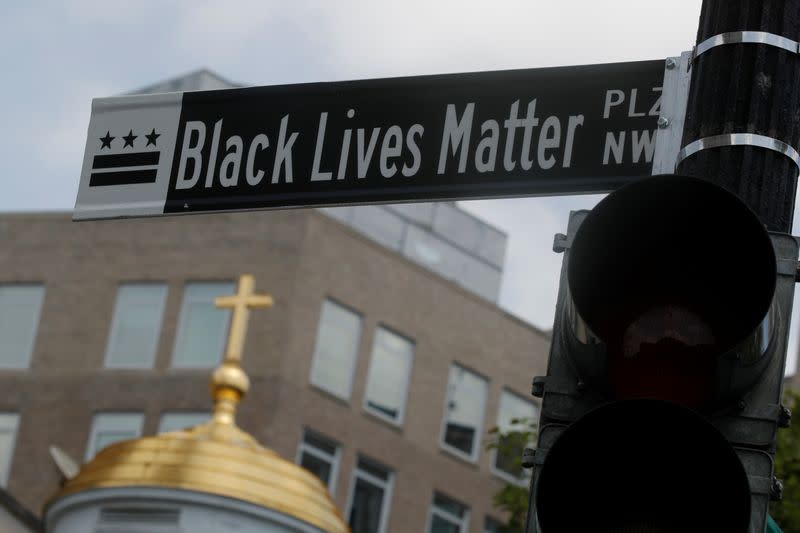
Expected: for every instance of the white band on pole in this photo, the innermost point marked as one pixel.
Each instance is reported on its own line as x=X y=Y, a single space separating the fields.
x=740 y=139
x=753 y=37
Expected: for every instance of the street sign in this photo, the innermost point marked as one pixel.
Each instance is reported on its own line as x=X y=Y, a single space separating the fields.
x=563 y=130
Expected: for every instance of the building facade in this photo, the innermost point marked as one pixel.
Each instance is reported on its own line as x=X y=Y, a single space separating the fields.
x=372 y=370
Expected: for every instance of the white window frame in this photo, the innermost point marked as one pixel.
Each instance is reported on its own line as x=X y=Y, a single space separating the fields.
x=9 y=423
x=505 y=476
x=119 y=421
x=322 y=455
x=315 y=360
x=181 y=332
x=206 y=415
x=150 y=348
x=35 y=330
x=476 y=446
x=387 y=486
x=401 y=413
x=462 y=523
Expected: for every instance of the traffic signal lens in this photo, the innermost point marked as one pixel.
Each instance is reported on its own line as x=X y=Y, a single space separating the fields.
x=667 y=352
x=642 y=466
x=671 y=273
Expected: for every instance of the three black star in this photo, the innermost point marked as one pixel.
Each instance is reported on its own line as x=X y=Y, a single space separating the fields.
x=106 y=140
x=151 y=137
x=129 y=139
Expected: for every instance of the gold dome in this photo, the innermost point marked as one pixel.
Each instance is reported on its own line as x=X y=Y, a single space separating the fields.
x=215 y=458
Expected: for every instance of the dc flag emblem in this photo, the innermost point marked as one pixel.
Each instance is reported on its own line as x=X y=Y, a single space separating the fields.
x=128 y=157
x=125 y=168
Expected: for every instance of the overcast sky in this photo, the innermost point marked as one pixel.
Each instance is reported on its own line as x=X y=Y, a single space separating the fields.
x=57 y=56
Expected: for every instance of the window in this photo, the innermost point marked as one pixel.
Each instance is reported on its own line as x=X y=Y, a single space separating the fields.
x=138 y=519
x=490 y=525
x=516 y=414
x=138 y=313
x=202 y=329
x=8 y=438
x=337 y=349
x=370 y=495
x=448 y=516
x=108 y=428
x=178 y=420
x=388 y=376
x=463 y=421
x=20 y=307
x=320 y=456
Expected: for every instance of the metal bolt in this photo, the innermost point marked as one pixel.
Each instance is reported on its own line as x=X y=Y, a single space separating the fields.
x=528 y=455
x=559 y=243
x=537 y=389
x=581 y=386
x=663 y=122
x=785 y=417
x=671 y=63
x=776 y=490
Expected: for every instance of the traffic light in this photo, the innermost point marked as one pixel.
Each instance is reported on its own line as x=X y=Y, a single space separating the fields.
x=662 y=397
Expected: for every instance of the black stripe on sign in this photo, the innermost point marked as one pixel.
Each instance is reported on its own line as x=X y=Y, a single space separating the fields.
x=124 y=177
x=135 y=159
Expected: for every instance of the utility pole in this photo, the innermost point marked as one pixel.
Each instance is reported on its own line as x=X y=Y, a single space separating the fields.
x=745 y=101
x=742 y=127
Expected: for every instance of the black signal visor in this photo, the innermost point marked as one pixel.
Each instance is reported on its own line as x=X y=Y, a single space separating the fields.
x=643 y=466
x=671 y=272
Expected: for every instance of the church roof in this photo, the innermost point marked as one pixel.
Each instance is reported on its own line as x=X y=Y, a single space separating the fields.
x=216 y=457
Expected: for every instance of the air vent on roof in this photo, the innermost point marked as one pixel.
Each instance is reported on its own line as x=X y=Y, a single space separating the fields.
x=138 y=520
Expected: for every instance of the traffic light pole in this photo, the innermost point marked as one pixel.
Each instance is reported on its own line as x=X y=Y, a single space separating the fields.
x=744 y=102
x=662 y=399
x=744 y=105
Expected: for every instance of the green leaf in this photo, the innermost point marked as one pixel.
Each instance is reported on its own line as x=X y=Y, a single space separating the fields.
x=787 y=468
x=512 y=499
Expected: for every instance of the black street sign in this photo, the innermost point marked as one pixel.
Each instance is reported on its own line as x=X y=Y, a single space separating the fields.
x=530 y=132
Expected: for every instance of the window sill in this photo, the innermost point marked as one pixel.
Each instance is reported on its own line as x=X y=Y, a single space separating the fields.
x=459 y=455
x=330 y=395
x=395 y=426
x=118 y=368
x=509 y=478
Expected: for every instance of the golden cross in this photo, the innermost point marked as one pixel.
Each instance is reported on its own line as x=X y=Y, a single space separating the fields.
x=241 y=303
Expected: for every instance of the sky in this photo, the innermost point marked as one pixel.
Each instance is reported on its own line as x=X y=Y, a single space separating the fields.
x=56 y=56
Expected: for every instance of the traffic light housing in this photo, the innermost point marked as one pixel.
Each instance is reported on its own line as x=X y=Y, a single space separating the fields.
x=662 y=396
